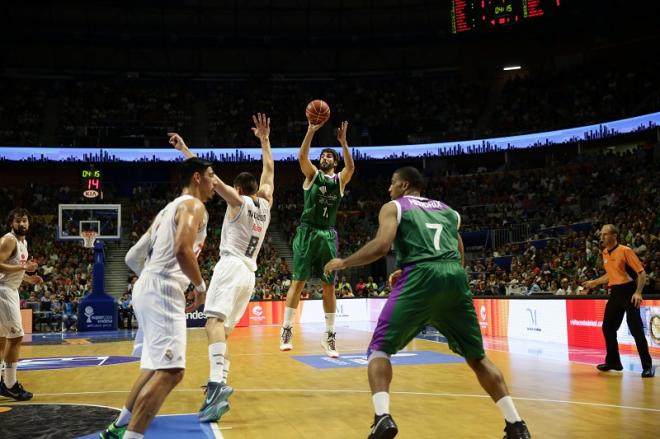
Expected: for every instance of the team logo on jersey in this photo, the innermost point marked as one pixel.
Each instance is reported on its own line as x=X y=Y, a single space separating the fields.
x=169 y=354
x=323 y=189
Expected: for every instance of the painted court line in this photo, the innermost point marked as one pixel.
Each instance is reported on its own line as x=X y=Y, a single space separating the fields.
x=435 y=394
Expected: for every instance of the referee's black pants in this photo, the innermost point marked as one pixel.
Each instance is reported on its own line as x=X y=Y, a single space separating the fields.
x=618 y=304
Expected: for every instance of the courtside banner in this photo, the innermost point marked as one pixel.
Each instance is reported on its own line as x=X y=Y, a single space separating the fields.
x=540 y=320
x=493 y=316
x=584 y=323
x=650 y=311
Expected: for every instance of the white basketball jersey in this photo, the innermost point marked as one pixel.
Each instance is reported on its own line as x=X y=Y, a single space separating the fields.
x=161 y=259
x=242 y=236
x=19 y=256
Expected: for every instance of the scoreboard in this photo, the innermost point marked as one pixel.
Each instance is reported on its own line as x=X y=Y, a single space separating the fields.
x=91 y=182
x=469 y=15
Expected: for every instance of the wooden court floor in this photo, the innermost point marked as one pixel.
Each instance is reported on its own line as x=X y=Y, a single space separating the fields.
x=279 y=397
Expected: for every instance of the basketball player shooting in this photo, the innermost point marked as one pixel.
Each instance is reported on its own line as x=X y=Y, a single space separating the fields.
x=316 y=239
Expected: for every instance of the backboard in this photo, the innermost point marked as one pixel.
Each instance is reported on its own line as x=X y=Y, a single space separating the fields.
x=104 y=219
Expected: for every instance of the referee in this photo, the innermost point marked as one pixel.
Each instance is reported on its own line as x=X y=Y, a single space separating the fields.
x=622 y=267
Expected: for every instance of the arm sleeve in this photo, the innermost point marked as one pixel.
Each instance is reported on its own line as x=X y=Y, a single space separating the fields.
x=633 y=261
x=137 y=255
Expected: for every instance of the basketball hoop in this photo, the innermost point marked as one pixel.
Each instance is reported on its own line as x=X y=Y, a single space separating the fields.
x=88 y=236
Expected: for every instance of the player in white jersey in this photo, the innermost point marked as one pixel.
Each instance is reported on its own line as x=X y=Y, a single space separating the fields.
x=232 y=284
x=14 y=264
x=168 y=253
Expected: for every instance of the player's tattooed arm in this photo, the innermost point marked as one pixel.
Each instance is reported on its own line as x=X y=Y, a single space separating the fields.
x=349 y=166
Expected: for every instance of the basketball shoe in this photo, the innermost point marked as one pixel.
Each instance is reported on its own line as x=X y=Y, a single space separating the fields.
x=383 y=427
x=516 y=430
x=286 y=337
x=329 y=344
x=16 y=392
x=215 y=404
x=113 y=431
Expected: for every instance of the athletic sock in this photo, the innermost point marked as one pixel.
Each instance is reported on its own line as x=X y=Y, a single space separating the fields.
x=288 y=316
x=217 y=361
x=133 y=435
x=225 y=371
x=124 y=417
x=508 y=409
x=381 y=402
x=10 y=374
x=330 y=322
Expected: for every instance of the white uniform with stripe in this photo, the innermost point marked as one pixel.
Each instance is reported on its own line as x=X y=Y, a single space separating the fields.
x=232 y=282
x=10 y=306
x=159 y=295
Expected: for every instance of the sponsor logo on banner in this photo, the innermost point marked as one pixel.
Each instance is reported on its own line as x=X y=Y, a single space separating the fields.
x=492 y=316
x=257 y=314
x=584 y=320
x=541 y=320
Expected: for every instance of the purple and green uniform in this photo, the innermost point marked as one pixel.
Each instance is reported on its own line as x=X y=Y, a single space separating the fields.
x=316 y=241
x=433 y=287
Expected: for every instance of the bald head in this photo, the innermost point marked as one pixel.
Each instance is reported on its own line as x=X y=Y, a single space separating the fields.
x=608 y=235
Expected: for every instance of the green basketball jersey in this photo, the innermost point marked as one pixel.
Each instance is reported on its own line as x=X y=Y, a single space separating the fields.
x=322 y=201
x=427 y=231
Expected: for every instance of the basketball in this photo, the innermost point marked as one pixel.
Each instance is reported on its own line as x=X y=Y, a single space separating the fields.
x=317 y=112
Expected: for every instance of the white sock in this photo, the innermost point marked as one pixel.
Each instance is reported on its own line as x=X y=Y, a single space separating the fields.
x=10 y=374
x=2 y=369
x=381 y=403
x=329 y=322
x=225 y=371
x=133 y=435
x=508 y=409
x=217 y=360
x=124 y=417
x=288 y=316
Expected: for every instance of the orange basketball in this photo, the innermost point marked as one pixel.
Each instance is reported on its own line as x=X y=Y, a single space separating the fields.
x=317 y=112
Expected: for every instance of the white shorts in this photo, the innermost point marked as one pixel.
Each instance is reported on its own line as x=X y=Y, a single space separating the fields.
x=11 y=325
x=230 y=290
x=159 y=305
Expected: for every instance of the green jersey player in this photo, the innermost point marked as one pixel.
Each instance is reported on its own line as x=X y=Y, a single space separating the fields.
x=431 y=287
x=316 y=241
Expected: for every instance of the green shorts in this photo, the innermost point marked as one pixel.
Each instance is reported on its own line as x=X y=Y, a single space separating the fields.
x=312 y=249
x=434 y=293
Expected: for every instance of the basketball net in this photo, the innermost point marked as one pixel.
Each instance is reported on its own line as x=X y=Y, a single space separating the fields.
x=88 y=237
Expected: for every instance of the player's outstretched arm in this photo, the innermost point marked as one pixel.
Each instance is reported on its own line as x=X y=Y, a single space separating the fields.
x=349 y=166
x=306 y=166
x=189 y=218
x=261 y=130
x=374 y=249
x=228 y=193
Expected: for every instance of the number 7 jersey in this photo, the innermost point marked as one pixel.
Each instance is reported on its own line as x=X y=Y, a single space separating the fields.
x=243 y=235
x=427 y=231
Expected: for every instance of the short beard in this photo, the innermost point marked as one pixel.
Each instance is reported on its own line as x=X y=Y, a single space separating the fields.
x=19 y=232
x=325 y=166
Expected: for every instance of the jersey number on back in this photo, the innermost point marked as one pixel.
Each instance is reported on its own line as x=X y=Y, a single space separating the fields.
x=252 y=246
x=436 y=236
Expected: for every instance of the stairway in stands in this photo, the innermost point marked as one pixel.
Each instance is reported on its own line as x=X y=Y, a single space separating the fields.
x=116 y=271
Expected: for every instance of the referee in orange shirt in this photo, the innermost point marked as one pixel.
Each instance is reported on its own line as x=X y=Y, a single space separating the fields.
x=622 y=267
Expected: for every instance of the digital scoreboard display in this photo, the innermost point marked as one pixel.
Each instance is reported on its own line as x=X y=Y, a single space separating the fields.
x=91 y=179
x=470 y=15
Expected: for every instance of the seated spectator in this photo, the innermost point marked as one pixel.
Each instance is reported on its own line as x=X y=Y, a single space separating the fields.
x=125 y=311
x=372 y=287
x=360 y=288
x=344 y=284
x=70 y=313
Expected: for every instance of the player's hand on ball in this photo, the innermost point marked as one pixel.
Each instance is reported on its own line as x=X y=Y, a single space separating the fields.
x=177 y=141
x=315 y=127
x=334 y=265
x=341 y=132
x=261 y=127
x=394 y=277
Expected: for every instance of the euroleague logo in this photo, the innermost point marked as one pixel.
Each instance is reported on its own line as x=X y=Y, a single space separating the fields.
x=654 y=328
x=257 y=313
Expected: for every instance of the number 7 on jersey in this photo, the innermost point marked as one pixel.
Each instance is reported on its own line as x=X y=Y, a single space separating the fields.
x=436 y=236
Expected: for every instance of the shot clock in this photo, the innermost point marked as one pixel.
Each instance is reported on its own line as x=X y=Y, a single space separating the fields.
x=475 y=15
x=91 y=179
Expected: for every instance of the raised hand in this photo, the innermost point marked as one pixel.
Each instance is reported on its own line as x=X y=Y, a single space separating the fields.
x=177 y=141
x=341 y=132
x=261 y=127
